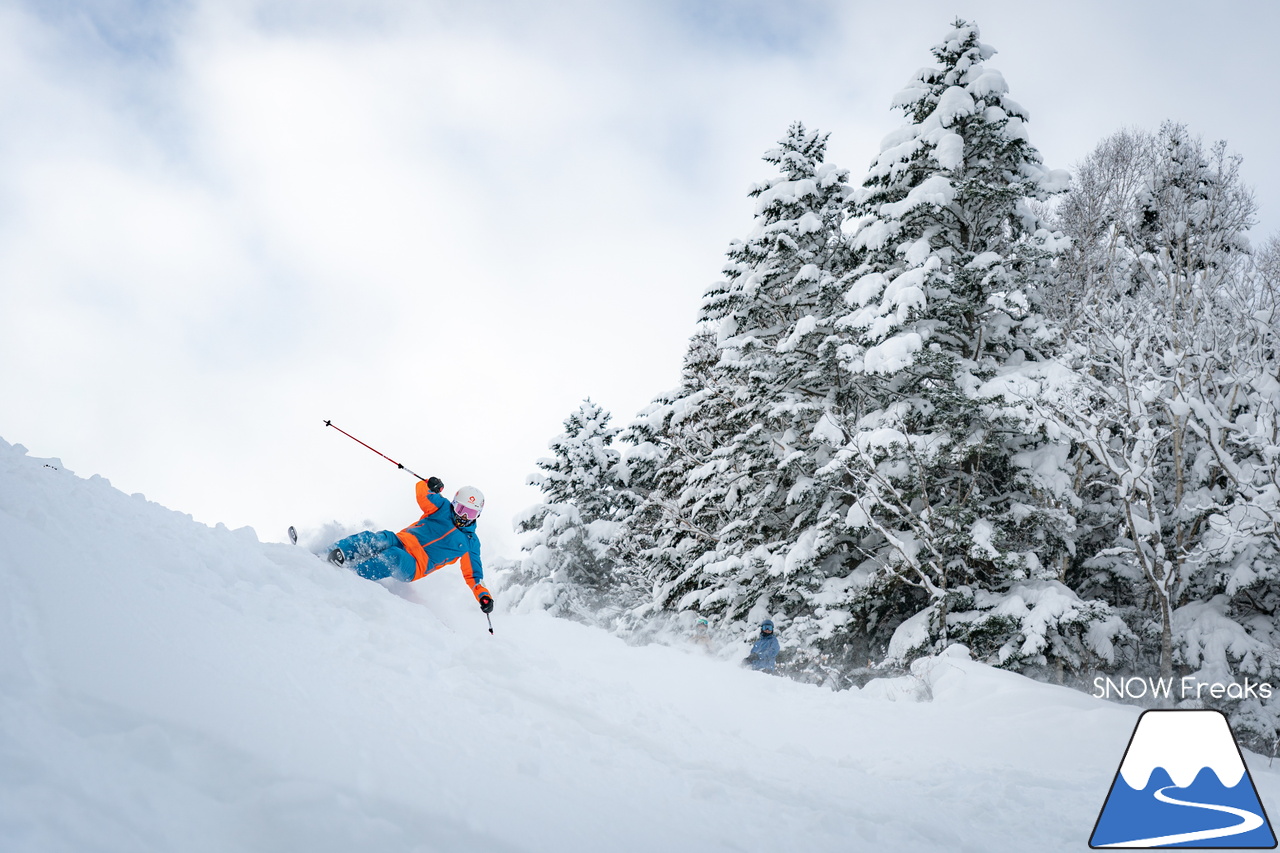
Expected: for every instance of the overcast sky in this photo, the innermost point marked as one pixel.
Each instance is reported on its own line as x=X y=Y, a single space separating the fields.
x=442 y=225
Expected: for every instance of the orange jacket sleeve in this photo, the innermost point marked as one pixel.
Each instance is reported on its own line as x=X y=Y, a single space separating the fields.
x=423 y=494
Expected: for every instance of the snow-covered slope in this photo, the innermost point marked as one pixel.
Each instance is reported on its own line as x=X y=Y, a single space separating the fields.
x=169 y=686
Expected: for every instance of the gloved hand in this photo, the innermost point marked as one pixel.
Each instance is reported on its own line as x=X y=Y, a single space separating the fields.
x=435 y=485
x=486 y=603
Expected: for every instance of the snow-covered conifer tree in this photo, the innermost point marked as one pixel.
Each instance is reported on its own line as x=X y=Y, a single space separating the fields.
x=570 y=565
x=955 y=489
x=734 y=503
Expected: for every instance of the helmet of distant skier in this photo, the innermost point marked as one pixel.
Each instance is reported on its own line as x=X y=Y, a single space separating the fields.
x=766 y=627
x=467 y=504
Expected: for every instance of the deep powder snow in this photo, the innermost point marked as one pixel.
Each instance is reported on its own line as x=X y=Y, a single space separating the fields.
x=169 y=686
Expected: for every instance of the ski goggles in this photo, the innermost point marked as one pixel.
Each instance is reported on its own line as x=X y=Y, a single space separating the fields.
x=470 y=513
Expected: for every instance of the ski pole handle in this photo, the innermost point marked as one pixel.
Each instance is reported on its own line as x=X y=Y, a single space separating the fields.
x=379 y=452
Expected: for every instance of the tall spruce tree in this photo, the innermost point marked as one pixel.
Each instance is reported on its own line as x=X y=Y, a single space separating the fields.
x=735 y=494
x=953 y=486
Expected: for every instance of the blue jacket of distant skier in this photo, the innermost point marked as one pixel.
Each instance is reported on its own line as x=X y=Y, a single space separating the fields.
x=764 y=653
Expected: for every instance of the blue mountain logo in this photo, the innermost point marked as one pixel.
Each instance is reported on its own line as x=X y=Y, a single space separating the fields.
x=1182 y=783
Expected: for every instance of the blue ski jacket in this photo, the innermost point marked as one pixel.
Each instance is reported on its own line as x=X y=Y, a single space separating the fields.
x=435 y=541
x=764 y=653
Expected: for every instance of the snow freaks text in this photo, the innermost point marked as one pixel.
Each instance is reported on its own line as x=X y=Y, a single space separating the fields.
x=1187 y=688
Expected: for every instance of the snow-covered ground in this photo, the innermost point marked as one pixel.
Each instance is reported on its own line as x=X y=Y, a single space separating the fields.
x=166 y=686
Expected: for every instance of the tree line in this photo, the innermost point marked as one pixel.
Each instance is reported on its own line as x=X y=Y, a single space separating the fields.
x=969 y=399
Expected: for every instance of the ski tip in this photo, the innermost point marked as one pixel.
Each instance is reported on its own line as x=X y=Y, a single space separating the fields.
x=293 y=535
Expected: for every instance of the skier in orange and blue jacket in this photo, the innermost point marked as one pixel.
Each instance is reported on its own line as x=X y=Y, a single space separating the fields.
x=443 y=536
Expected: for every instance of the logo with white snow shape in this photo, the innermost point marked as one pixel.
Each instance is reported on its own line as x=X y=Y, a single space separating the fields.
x=1183 y=783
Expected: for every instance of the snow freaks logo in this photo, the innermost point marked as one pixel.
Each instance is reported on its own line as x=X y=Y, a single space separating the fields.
x=1182 y=783
x=1189 y=688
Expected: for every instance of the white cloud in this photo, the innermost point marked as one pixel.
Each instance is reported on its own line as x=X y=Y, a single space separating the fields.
x=443 y=225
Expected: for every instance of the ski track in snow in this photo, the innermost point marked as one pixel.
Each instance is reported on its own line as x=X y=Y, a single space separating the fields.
x=167 y=686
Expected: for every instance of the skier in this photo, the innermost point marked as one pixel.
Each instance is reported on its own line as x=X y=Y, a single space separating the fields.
x=765 y=651
x=443 y=536
x=702 y=634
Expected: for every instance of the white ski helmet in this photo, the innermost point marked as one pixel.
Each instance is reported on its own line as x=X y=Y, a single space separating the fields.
x=467 y=504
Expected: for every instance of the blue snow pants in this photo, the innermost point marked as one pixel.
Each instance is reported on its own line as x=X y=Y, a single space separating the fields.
x=375 y=556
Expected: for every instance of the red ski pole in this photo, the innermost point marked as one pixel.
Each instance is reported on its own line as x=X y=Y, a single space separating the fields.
x=379 y=452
